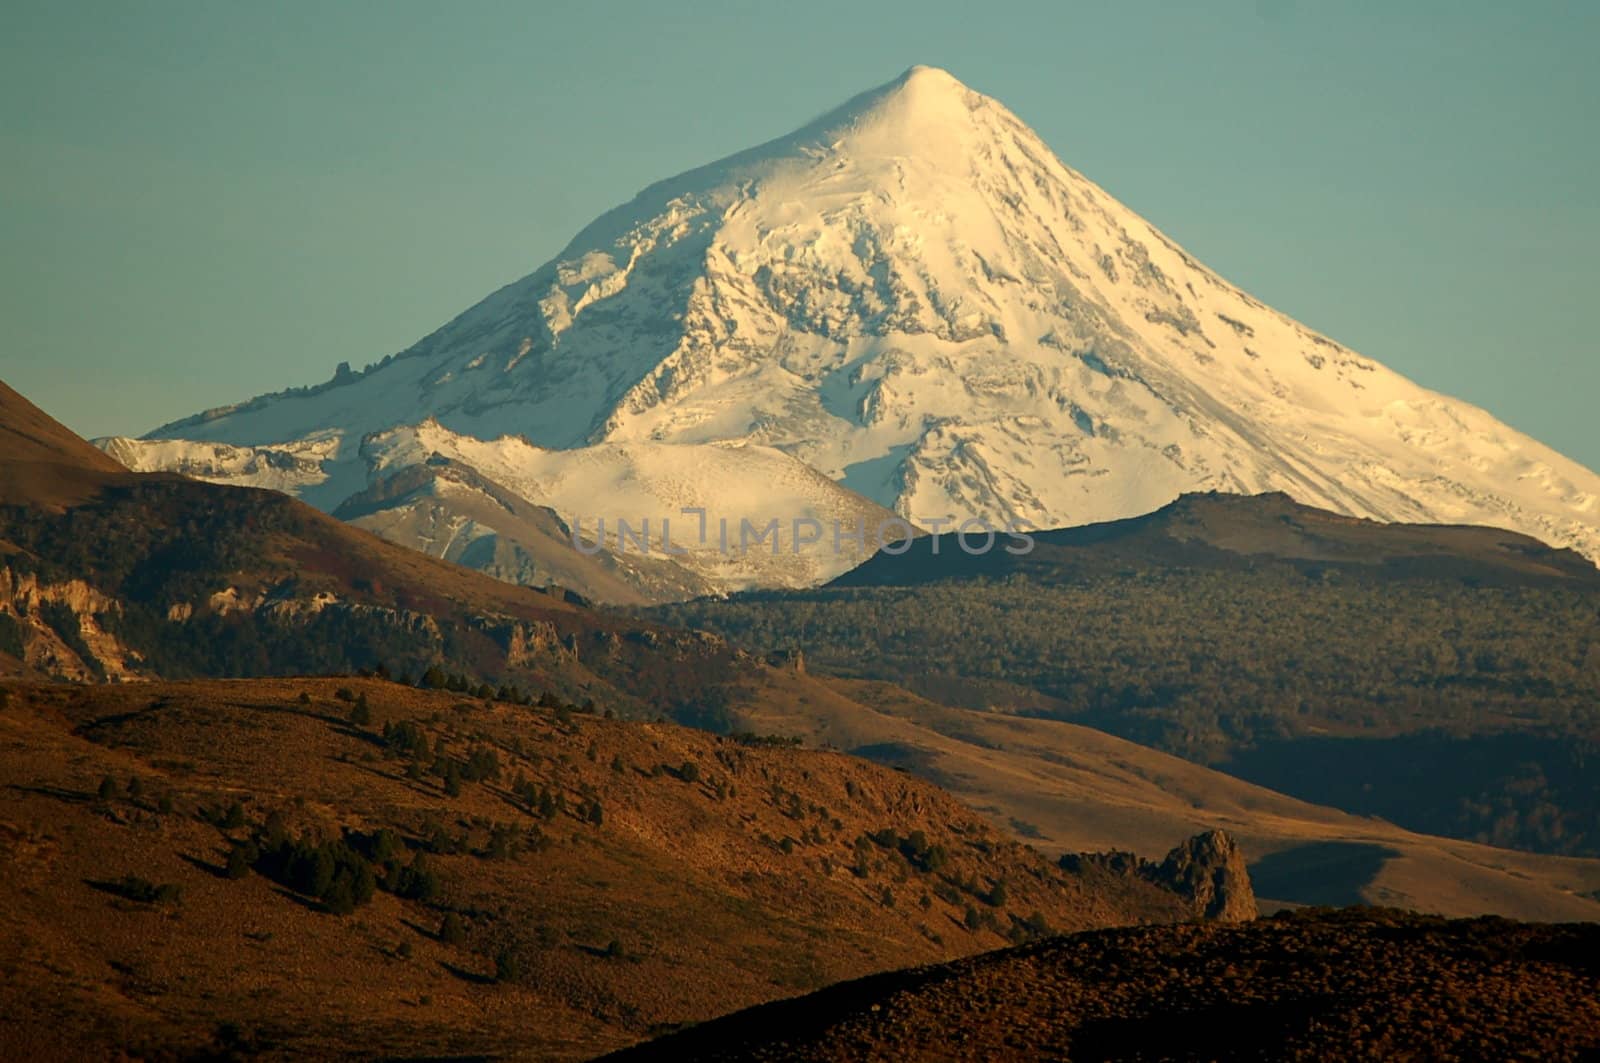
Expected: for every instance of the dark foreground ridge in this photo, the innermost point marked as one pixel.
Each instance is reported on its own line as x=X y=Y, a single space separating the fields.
x=1311 y=985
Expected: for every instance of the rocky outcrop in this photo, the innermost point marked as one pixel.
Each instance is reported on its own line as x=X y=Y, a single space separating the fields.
x=1208 y=871
x=530 y=642
x=788 y=661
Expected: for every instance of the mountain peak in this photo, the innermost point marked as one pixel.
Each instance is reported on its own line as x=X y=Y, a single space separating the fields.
x=914 y=296
x=931 y=87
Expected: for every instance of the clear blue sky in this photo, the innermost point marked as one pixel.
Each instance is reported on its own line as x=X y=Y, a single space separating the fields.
x=201 y=202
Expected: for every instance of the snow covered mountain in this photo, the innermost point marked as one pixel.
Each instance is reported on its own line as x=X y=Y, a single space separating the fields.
x=915 y=297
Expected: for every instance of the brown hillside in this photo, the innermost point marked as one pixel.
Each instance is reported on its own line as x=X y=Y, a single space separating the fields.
x=610 y=880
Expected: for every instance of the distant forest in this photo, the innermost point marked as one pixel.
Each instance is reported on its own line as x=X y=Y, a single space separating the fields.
x=1472 y=711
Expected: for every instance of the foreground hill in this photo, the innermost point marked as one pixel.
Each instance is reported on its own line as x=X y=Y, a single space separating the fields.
x=1317 y=985
x=1444 y=678
x=249 y=865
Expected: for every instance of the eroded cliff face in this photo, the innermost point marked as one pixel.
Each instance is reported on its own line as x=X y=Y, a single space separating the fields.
x=59 y=630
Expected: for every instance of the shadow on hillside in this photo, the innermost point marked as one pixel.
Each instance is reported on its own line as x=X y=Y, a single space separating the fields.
x=903 y=756
x=1320 y=873
x=214 y=870
x=1537 y=792
x=470 y=977
x=59 y=793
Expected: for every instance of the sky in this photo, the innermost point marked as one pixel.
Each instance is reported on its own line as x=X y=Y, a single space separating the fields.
x=202 y=202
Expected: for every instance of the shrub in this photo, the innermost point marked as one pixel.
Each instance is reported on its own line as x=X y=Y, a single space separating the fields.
x=452 y=931
x=507 y=968
x=483 y=763
x=333 y=872
x=345 y=694
x=274 y=832
x=361 y=712
x=108 y=789
x=146 y=892
x=405 y=738
x=240 y=859
x=502 y=842
x=417 y=882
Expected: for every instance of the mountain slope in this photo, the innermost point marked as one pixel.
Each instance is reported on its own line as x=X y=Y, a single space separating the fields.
x=916 y=297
